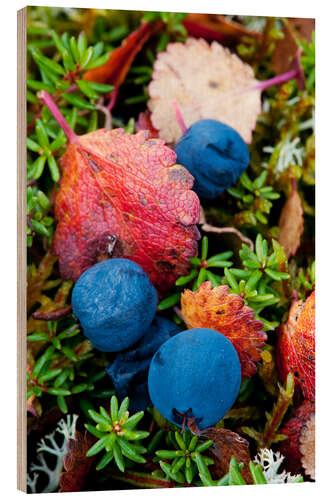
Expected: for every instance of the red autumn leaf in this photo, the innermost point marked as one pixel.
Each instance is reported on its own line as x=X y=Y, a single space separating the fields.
x=225 y=312
x=294 y=429
x=216 y=27
x=144 y=123
x=122 y=194
x=114 y=71
x=76 y=463
x=296 y=346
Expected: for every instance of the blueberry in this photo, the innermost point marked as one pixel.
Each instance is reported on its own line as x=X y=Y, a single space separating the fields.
x=129 y=370
x=215 y=154
x=195 y=374
x=115 y=302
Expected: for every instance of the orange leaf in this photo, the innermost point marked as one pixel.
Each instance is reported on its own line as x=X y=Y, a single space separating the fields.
x=114 y=71
x=220 y=310
x=291 y=224
x=122 y=195
x=296 y=346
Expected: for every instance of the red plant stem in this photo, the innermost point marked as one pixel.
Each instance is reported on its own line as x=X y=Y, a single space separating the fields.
x=295 y=296
x=51 y=105
x=113 y=99
x=179 y=313
x=277 y=80
x=179 y=118
x=72 y=88
x=52 y=315
x=293 y=185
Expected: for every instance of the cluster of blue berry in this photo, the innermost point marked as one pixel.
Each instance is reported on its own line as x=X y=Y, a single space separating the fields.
x=192 y=374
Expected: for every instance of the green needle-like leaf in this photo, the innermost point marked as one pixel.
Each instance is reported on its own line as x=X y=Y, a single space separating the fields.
x=193 y=443
x=204 y=446
x=119 y=459
x=134 y=435
x=123 y=408
x=114 y=408
x=132 y=421
x=178 y=464
x=129 y=452
x=105 y=460
x=105 y=414
x=202 y=467
x=110 y=440
x=180 y=441
x=183 y=280
x=204 y=248
x=90 y=428
x=58 y=391
x=257 y=473
x=167 y=454
x=235 y=476
x=169 y=302
x=97 y=447
x=99 y=419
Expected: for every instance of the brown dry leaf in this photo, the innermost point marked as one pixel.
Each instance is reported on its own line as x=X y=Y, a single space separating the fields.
x=303 y=26
x=285 y=50
x=217 y=27
x=225 y=312
x=307 y=447
x=48 y=305
x=287 y=47
x=114 y=71
x=291 y=224
x=37 y=279
x=206 y=81
x=76 y=463
x=226 y=445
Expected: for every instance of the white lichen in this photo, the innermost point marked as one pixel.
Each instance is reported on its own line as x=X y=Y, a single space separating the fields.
x=290 y=152
x=49 y=445
x=271 y=463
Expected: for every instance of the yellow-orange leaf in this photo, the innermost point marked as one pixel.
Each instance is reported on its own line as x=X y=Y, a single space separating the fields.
x=225 y=312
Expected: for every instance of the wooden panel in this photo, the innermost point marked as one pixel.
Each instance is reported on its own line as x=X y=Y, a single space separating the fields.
x=21 y=250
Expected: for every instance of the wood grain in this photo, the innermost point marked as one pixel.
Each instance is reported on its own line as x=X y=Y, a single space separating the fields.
x=21 y=250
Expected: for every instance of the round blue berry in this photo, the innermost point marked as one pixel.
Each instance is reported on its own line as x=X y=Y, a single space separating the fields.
x=215 y=154
x=129 y=370
x=195 y=374
x=115 y=302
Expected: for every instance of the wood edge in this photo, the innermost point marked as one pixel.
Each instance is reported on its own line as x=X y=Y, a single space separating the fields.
x=21 y=251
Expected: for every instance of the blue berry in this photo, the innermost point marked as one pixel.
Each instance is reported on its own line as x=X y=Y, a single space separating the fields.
x=115 y=302
x=215 y=154
x=195 y=374
x=129 y=370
